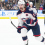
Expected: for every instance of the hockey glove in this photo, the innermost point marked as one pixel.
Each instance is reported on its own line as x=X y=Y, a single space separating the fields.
x=19 y=29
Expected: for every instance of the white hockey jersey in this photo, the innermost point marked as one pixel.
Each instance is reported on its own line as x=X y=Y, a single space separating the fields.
x=27 y=17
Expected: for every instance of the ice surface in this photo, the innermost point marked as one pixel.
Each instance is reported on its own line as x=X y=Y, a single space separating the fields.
x=9 y=35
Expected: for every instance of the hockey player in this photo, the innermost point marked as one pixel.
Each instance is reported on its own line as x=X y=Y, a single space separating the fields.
x=33 y=8
x=27 y=20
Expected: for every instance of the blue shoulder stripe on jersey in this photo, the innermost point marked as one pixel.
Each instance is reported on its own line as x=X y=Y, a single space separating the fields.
x=18 y=12
x=27 y=11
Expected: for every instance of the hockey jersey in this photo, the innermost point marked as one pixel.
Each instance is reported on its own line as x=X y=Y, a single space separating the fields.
x=27 y=17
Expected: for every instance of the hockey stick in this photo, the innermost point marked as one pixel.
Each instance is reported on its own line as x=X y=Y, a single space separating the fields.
x=44 y=33
x=14 y=25
x=12 y=22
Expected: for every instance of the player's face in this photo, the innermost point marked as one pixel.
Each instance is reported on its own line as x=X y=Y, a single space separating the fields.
x=21 y=6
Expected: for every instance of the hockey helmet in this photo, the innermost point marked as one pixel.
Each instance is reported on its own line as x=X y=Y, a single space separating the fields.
x=31 y=3
x=21 y=2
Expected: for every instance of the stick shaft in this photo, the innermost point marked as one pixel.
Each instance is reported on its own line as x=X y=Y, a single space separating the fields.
x=13 y=24
x=11 y=21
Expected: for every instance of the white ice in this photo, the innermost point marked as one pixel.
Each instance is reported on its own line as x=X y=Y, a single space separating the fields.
x=9 y=35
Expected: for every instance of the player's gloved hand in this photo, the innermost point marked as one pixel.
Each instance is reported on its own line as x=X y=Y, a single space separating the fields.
x=19 y=29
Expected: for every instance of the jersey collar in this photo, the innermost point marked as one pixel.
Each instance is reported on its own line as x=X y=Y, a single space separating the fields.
x=24 y=10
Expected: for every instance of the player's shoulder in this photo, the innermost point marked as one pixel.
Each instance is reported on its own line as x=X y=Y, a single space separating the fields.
x=18 y=12
x=29 y=11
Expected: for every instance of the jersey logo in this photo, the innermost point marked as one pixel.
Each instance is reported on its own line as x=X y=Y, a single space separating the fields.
x=26 y=14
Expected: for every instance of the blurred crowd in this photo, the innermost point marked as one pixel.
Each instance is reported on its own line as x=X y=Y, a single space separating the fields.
x=42 y=5
x=9 y=5
x=12 y=4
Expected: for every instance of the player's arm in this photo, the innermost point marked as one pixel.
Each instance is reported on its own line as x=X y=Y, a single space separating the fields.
x=20 y=23
x=31 y=15
x=34 y=11
x=35 y=15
